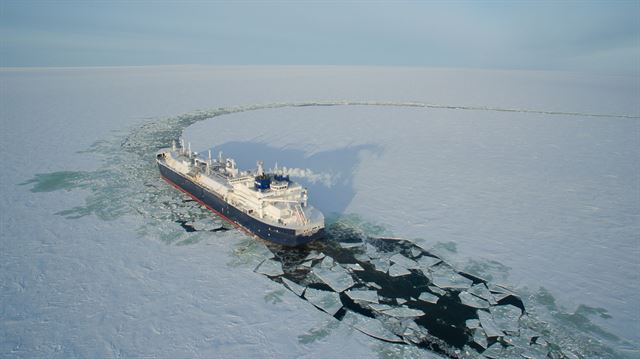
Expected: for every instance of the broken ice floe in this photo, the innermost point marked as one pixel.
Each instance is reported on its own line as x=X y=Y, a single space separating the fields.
x=381 y=265
x=495 y=351
x=374 y=285
x=379 y=307
x=205 y=224
x=396 y=270
x=314 y=255
x=533 y=352
x=361 y=257
x=270 y=267
x=403 y=261
x=516 y=341
x=471 y=300
x=337 y=278
x=355 y=267
x=325 y=300
x=445 y=277
x=403 y=312
x=327 y=262
x=480 y=338
x=395 y=294
x=428 y=297
x=414 y=334
x=481 y=290
x=530 y=334
x=294 y=287
x=427 y=261
x=371 y=327
x=472 y=323
x=500 y=292
x=351 y=245
x=370 y=296
x=437 y=290
x=506 y=317
x=500 y=296
x=489 y=326
x=255 y=252
x=371 y=251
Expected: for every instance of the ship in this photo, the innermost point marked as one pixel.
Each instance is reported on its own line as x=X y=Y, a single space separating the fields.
x=267 y=205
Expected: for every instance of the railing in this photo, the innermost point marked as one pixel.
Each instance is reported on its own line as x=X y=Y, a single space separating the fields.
x=300 y=214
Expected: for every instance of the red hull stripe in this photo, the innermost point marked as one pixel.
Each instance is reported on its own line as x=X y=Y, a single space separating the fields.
x=208 y=207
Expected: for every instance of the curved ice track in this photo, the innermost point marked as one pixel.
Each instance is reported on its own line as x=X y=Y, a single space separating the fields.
x=386 y=288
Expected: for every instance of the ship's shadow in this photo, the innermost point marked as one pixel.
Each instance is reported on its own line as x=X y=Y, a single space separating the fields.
x=330 y=189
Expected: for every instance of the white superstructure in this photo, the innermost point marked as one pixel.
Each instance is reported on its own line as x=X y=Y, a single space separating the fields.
x=269 y=198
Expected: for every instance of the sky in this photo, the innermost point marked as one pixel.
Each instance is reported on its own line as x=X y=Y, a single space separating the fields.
x=537 y=35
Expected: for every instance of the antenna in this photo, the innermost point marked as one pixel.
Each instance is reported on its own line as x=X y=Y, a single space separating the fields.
x=189 y=149
x=209 y=158
x=220 y=156
x=182 y=146
x=173 y=146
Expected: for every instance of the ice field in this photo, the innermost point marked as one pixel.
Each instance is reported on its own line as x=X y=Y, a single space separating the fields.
x=524 y=179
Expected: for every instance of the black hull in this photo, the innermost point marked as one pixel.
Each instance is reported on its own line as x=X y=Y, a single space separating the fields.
x=283 y=236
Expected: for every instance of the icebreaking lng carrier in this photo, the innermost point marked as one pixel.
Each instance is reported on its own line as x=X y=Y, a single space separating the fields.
x=268 y=205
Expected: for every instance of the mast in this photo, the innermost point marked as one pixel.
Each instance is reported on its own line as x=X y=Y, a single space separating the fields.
x=260 y=170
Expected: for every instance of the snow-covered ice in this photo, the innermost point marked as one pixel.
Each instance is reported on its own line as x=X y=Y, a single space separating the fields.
x=533 y=199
